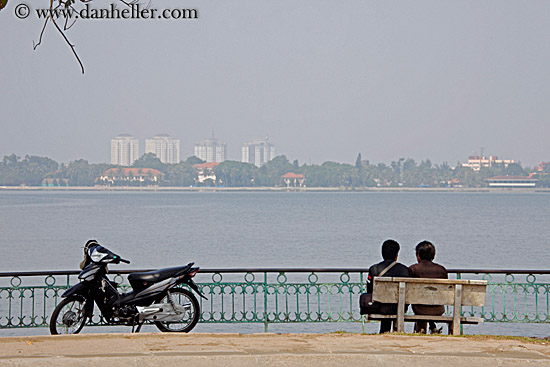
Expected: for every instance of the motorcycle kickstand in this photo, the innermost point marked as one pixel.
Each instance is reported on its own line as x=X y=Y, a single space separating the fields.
x=139 y=327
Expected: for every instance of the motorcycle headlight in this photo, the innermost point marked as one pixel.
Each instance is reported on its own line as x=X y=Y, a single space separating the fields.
x=97 y=256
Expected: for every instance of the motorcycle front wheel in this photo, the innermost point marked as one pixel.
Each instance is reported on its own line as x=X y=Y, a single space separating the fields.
x=189 y=319
x=68 y=317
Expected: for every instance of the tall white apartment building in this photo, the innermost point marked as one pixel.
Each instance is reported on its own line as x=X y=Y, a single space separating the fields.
x=164 y=147
x=124 y=150
x=211 y=150
x=258 y=152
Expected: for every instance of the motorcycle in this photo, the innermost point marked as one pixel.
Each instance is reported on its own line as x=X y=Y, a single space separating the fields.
x=155 y=297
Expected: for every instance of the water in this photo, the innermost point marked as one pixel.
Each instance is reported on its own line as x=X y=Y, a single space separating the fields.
x=46 y=230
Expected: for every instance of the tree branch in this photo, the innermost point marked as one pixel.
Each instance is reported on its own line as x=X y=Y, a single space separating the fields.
x=70 y=44
x=66 y=26
x=67 y=20
x=34 y=46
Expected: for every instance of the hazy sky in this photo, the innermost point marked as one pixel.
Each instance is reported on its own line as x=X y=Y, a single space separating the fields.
x=323 y=79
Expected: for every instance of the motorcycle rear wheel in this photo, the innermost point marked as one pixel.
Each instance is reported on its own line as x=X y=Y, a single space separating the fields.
x=181 y=297
x=68 y=317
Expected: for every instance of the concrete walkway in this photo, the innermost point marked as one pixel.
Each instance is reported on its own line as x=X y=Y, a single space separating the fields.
x=227 y=350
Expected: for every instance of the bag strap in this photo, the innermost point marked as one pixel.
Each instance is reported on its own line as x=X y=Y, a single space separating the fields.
x=386 y=269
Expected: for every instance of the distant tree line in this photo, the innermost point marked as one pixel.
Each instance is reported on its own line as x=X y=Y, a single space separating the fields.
x=33 y=171
x=30 y=171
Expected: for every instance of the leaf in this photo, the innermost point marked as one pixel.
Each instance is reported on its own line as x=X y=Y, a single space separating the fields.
x=3 y=4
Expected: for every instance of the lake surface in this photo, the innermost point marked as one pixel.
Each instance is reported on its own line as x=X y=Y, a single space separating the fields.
x=46 y=230
x=43 y=230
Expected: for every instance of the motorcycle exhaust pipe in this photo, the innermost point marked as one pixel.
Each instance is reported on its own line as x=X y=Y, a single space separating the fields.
x=162 y=312
x=147 y=311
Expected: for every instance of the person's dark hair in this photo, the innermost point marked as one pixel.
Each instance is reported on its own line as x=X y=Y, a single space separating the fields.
x=390 y=249
x=425 y=250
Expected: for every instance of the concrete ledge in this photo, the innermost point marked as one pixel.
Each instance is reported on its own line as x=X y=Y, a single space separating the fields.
x=162 y=349
x=514 y=190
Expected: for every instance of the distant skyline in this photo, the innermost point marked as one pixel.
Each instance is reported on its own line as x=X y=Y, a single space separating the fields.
x=142 y=149
x=185 y=153
x=324 y=80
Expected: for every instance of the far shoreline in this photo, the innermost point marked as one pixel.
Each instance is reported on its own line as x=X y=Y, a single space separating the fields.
x=273 y=189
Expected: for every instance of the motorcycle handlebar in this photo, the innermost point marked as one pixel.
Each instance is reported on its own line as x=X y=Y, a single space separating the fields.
x=125 y=261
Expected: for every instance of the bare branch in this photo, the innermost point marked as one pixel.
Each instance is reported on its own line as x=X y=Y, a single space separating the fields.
x=65 y=27
x=70 y=45
x=129 y=3
x=55 y=5
x=34 y=46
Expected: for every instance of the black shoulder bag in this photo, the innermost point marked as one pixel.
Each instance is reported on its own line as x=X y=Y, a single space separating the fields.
x=366 y=304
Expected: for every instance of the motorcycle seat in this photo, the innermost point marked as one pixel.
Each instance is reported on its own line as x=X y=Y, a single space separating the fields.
x=158 y=275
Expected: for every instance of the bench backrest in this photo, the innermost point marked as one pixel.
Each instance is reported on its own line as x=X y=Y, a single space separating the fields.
x=427 y=291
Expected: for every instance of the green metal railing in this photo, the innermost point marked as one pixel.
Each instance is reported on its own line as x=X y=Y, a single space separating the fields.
x=270 y=296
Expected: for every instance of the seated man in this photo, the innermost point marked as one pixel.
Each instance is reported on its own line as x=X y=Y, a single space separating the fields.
x=426 y=268
x=390 y=250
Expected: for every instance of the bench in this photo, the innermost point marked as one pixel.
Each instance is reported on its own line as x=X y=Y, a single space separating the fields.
x=425 y=291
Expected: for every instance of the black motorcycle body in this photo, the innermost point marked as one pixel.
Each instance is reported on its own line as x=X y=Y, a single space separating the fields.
x=156 y=296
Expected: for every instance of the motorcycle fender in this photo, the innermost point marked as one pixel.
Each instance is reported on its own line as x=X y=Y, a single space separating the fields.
x=79 y=289
x=193 y=286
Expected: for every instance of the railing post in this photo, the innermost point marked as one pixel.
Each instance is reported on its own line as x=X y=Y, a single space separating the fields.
x=361 y=292
x=265 y=303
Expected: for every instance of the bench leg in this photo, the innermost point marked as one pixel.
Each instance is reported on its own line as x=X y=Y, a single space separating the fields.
x=401 y=309
x=457 y=309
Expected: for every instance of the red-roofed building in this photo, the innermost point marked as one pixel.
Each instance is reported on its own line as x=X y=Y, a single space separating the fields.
x=131 y=176
x=205 y=171
x=207 y=165
x=543 y=167
x=292 y=179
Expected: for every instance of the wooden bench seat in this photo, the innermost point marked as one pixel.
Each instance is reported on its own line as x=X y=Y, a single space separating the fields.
x=425 y=291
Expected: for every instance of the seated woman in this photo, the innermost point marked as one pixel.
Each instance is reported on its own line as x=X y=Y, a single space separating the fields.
x=426 y=268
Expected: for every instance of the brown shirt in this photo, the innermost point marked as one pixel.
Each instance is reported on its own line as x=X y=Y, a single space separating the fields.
x=428 y=269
